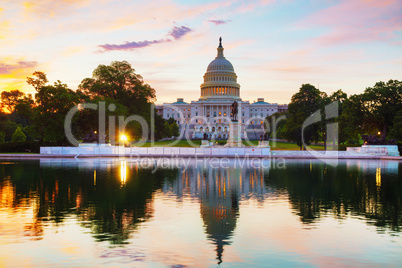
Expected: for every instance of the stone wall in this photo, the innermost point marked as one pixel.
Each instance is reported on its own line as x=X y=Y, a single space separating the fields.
x=111 y=151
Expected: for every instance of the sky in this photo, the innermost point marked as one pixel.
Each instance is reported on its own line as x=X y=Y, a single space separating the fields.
x=274 y=46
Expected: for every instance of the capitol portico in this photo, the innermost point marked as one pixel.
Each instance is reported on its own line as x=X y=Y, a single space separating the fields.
x=211 y=114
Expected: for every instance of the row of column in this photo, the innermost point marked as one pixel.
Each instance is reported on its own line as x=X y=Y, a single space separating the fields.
x=218 y=108
x=220 y=91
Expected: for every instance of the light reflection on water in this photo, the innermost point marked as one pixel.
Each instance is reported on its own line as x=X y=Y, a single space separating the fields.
x=121 y=211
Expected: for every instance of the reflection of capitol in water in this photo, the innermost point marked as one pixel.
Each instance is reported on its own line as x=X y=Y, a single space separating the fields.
x=219 y=192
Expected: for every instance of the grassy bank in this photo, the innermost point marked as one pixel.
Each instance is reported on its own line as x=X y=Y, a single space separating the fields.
x=184 y=143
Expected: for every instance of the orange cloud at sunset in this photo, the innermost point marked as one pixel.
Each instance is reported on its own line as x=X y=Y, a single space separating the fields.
x=274 y=46
x=13 y=73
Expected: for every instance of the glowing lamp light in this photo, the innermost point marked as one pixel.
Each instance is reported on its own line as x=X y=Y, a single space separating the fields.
x=379 y=133
x=123 y=138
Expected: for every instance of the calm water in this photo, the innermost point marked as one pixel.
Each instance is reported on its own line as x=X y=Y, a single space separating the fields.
x=124 y=212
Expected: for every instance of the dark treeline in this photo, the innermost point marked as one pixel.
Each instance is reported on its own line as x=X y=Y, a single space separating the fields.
x=41 y=117
x=376 y=111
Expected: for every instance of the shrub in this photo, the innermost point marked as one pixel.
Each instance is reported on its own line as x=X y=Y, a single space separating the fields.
x=342 y=147
x=18 y=135
x=2 y=137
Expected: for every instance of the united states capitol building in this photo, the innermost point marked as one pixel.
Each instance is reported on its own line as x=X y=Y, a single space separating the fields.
x=211 y=113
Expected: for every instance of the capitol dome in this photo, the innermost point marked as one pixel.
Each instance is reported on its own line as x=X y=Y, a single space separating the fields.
x=220 y=80
x=220 y=63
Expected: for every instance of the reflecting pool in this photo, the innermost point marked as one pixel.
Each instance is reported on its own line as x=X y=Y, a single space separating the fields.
x=192 y=213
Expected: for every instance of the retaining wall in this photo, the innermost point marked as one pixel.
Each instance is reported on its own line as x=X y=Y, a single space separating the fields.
x=113 y=151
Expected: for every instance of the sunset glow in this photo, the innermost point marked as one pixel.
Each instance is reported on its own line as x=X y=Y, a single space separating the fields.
x=275 y=46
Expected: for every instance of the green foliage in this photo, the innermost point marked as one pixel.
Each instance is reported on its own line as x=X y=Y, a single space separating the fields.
x=22 y=147
x=304 y=103
x=159 y=127
x=381 y=103
x=119 y=82
x=38 y=81
x=171 y=120
x=10 y=98
x=354 y=119
x=275 y=124
x=24 y=111
x=174 y=128
x=396 y=131
x=53 y=104
x=18 y=135
x=9 y=128
x=2 y=137
x=167 y=130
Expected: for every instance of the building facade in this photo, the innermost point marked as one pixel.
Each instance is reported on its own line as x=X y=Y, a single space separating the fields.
x=211 y=113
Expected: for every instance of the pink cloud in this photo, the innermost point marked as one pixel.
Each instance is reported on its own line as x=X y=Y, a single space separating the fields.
x=131 y=45
x=8 y=68
x=219 y=22
x=177 y=33
x=359 y=21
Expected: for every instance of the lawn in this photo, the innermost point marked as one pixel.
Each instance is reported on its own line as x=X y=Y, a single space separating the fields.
x=279 y=145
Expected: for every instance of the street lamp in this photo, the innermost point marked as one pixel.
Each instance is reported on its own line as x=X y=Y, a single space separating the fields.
x=123 y=138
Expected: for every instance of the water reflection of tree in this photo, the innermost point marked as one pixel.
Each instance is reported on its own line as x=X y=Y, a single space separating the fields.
x=97 y=197
x=319 y=189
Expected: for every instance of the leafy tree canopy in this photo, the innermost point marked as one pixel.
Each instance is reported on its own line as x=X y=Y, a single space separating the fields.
x=10 y=98
x=18 y=135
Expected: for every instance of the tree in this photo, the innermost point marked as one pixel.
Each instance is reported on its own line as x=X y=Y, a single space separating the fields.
x=54 y=102
x=2 y=137
x=396 y=131
x=18 y=135
x=24 y=111
x=175 y=129
x=38 y=81
x=382 y=102
x=119 y=82
x=159 y=127
x=327 y=126
x=354 y=119
x=275 y=124
x=167 y=130
x=303 y=104
x=342 y=134
x=10 y=98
